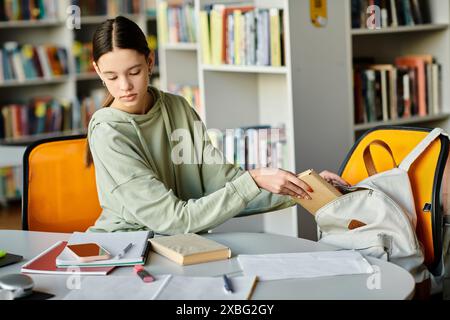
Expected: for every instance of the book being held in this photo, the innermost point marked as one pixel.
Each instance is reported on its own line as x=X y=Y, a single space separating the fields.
x=323 y=192
x=190 y=248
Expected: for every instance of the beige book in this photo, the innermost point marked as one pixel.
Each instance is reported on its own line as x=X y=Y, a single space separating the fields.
x=190 y=248
x=323 y=192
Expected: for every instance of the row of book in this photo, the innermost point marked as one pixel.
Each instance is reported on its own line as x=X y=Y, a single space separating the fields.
x=41 y=115
x=389 y=13
x=21 y=62
x=190 y=93
x=176 y=23
x=412 y=86
x=47 y=114
x=86 y=106
x=82 y=53
x=10 y=183
x=252 y=147
x=16 y=10
x=242 y=35
x=110 y=8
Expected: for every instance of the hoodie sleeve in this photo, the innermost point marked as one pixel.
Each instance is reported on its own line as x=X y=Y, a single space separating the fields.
x=216 y=172
x=145 y=200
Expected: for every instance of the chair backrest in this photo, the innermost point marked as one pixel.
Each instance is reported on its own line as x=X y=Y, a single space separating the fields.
x=60 y=193
x=426 y=175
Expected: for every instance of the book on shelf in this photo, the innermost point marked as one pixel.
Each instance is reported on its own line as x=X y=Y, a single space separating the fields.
x=28 y=10
x=190 y=93
x=41 y=115
x=176 y=23
x=393 y=13
x=110 y=8
x=252 y=147
x=22 y=62
x=242 y=35
x=323 y=192
x=45 y=263
x=412 y=86
x=10 y=183
x=190 y=248
x=82 y=53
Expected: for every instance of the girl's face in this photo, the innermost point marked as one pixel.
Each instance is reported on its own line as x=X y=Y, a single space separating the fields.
x=126 y=76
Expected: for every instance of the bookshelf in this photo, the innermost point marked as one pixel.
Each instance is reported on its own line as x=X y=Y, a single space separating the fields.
x=311 y=94
x=71 y=86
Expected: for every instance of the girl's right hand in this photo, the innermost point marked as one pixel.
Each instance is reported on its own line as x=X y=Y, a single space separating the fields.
x=281 y=182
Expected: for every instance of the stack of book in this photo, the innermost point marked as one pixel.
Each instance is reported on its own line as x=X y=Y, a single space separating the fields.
x=110 y=8
x=392 y=13
x=176 y=23
x=16 y=10
x=242 y=35
x=10 y=183
x=412 y=86
x=21 y=62
x=252 y=147
x=41 y=115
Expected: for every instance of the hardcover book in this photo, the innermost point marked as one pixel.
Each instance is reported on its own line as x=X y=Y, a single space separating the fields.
x=323 y=192
x=190 y=248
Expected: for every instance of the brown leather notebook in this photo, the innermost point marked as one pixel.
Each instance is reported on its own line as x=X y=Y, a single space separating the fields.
x=323 y=191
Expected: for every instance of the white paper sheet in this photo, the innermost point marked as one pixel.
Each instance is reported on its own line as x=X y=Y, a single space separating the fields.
x=116 y=288
x=165 y=287
x=304 y=264
x=205 y=288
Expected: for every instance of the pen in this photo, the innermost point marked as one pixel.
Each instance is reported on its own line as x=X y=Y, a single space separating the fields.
x=125 y=250
x=144 y=275
x=227 y=284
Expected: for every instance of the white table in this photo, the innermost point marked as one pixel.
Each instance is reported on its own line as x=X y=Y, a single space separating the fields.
x=395 y=282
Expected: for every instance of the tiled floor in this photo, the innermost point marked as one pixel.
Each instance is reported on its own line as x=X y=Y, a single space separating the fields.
x=10 y=216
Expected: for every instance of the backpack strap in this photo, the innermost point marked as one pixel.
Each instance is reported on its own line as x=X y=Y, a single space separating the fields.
x=420 y=148
x=368 y=159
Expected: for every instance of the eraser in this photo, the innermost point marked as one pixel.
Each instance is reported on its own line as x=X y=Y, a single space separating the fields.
x=138 y=268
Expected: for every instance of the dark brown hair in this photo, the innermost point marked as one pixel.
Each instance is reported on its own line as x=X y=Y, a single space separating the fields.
x=122 y=33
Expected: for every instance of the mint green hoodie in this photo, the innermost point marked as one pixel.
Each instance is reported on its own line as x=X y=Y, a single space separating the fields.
x=141 y=188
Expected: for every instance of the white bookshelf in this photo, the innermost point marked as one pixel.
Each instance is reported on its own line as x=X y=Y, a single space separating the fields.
x=56 y=32
x=388 y=43
x=312 y=95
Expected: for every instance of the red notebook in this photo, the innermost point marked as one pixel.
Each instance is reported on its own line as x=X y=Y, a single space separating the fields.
x=45 y=263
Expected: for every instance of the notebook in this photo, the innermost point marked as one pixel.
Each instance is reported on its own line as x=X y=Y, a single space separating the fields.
x=323 y=191
x=190 y=248
x=114 y=243
x=45 y=263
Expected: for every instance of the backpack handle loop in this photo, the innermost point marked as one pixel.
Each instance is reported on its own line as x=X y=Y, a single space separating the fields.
x=368 y=158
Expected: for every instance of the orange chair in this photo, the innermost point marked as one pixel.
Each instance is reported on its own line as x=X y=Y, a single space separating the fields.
x=60 y=193
x=426 y=175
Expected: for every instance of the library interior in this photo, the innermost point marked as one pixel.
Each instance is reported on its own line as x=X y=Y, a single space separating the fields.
x=293 y=86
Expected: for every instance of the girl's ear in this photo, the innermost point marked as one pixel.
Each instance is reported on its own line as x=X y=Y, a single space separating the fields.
x=151 y=61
